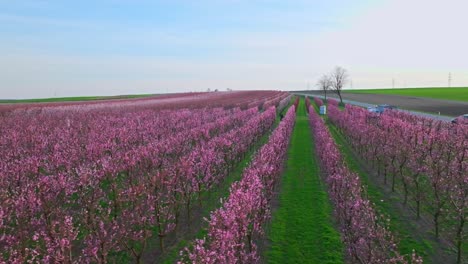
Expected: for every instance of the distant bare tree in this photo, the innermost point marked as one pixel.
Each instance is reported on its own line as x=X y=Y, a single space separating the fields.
x=339 y=77
x=324 y=83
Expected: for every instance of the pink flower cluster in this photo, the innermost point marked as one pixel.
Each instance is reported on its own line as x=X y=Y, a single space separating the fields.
x=284 y=103
x=266 y=102
x=279 y=101
x=296 y=103
x=233 y=227
x=364 y=233
x=318 y=101
x=425 y=159
x=333 y=102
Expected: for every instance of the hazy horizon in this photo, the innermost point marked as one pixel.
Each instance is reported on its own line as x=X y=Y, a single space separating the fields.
x=57 y=49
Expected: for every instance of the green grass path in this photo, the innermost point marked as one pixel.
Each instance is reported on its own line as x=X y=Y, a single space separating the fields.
x=302 y=228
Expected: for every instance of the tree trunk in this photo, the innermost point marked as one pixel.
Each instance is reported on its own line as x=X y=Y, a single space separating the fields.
x=188 y=213
x=341 y=99
x=405 y=186
x=385 y=175
x=436 y=223
x=459 y=238
x=161 y=243
x=418 y=208
x=418 y=198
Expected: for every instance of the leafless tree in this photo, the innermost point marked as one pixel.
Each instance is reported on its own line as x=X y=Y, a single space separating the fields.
x=324 y=83
x=339 y=77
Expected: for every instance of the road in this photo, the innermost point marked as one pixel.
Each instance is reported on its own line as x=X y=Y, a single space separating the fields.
x=415 y=104
x=362 y=104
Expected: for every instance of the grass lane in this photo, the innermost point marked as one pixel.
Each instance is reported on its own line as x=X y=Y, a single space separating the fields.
x=302 y=228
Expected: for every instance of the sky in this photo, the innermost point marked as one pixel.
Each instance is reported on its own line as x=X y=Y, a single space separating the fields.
x=57 y=48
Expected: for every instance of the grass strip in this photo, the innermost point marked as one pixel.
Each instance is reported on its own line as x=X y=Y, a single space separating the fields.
x=302 y=230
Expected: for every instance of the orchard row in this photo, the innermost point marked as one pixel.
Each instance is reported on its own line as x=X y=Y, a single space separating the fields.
x=424 y=159
x=363 y=231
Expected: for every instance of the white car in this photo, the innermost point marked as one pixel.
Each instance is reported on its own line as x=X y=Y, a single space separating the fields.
x=379 y=109
x=463 y=119
x=373 y=110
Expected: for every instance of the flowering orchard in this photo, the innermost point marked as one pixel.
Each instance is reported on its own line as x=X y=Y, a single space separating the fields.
x=234 y=227
x=318 y=101
x=130 y=180
x=90 y=182
x=243 y=100
x=364 y=232
x=333 y=102
x=424 y=159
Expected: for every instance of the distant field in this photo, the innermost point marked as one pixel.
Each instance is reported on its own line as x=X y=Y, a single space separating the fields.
x=446 y=93
x=73 y=99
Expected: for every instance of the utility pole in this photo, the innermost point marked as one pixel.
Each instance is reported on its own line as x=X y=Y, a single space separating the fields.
x=308 y=86
x=450 y=79
x=351 y=84
x=393 y=83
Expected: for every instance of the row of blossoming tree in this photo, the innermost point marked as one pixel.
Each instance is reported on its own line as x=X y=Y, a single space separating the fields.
x=364 y=232
x=424 y=159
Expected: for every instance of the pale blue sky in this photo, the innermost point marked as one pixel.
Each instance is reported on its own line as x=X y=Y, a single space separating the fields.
x=69 y=48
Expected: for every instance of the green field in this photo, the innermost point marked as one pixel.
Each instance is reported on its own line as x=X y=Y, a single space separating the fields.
x=452 y=93
x=72 y=99
x=302 y=229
